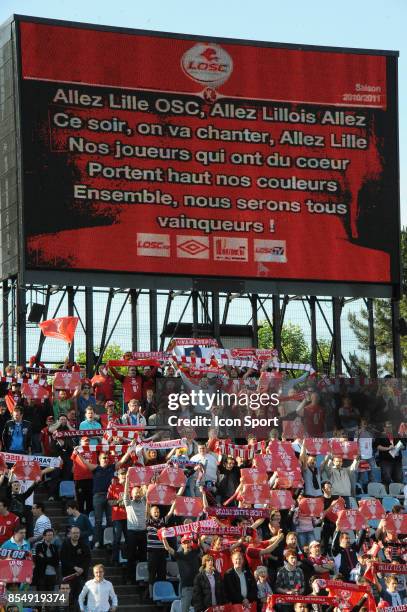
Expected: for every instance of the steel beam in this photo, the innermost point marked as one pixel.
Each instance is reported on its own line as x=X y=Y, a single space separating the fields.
x=153 y=320
x=395 y=316
x=89 y=336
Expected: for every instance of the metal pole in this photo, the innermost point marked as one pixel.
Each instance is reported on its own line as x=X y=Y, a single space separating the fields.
x=44 y=318
x=153 y=320
x=395 y=316
x=170 y=298
x=277 y=324
x=314 y=345
x=134 y=316
x=21 y=324
x=195 y=314
x=255 y=327
x=71 y=309
x=337 y=337
x=372 y=342
x=89 y=340
x=6 y=320
x=215 y=316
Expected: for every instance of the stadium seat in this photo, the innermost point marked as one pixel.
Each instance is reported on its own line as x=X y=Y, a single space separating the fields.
x=142 y=571
x=67 y=489
x=108 y=536
x=364 y=496
x=122 y=559
x=353 y=503
x=163 y=591
x=376 y=489
x=404 y=457
x=374 y=523
x=396 y=489
x=176 y=606
x=172 y=571
x=388 y=502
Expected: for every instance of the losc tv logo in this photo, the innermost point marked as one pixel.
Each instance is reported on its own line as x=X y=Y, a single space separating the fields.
x=270 y=250
x=230 y=249
x=193 y=247
x=207 y=64
x=153 y=245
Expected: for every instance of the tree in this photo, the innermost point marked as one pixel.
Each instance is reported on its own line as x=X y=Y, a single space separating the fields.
x=113 y=351
x=295 y=348
x=382 y=322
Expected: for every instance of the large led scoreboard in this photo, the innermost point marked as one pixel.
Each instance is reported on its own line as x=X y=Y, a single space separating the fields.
x=159 y=159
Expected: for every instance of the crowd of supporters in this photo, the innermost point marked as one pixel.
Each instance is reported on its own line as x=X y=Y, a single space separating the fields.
x=251 y=513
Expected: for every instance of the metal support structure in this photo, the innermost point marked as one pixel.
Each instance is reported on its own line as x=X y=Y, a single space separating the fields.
x=372 y=340
x=21 y=308
x=134 y=319
x=337 y=334
x=103 y=344
x=395 y=316
x=44 y=318
x=215 y=316
x=153 y=320
x=277 y=324
x=71 y=309
x=89 y=336
x=195 y=319
x=170 y=299
x=226 y=309
x=313 y=323
x=255 y=325
x=5 y=327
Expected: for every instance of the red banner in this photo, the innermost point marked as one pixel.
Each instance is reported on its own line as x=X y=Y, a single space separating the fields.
x=320 y=600
x=253 y=476
x=172 y=476
x=222 y=512
x=371 y=509
x=62 y=328
x=256 y=494
x=188 y=506
x=311 y=506
x=16 y=570
x=67 y=380
x=390 y=568
x=317 y=446
x=293 y=429
x=334 y=509
x=350 y=519
x=397 y=523
x=289 y=479
x=160 y=494
x=283 y=455
x=27 y=470
x=139 y=476
x=280 y=500
x=344 y=448
x=349 y=594
x=34 y=391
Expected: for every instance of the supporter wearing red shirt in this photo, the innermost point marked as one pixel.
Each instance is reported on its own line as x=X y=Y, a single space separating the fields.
x=83 y=478
x=8 y=522
x=257 y=549
x=313 y=415
x=221 y=555
x=321 y=565
x=110 y=415
x=149 y=375
x=132 y=384
x=46 y=437
x=103 y=384
x=115 y=494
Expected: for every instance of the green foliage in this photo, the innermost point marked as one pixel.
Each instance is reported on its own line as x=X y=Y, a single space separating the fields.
x=113 y=351
x=294 y=345
x=382 y=323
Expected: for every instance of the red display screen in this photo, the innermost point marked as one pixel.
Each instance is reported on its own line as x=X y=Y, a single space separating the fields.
x=176 y=156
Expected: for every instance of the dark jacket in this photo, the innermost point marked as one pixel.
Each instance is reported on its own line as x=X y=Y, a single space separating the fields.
x=231 y=584
x=72 y=556
x=347 y=560
x=8 y=434
x=41 y=561
x=201 y=594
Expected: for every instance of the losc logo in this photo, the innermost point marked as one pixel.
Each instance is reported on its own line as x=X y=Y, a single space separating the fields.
x=153 y=245
x=270 y=250
x=193 y=247
x=207 y=64
x=230 y=249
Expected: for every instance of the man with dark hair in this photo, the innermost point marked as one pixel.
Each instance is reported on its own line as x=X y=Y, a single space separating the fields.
x=75 y=560
x=17 y=433
x=76 y=519
x=46 y=562
x=42 y=522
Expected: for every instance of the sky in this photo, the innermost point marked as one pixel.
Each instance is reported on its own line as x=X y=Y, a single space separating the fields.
x=370 y=24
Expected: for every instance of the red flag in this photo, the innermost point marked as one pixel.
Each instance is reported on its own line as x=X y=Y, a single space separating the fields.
x=27 y=470
x=350 y=519
x=67 y=380
x=350 y=594
x=334 y=509
x=371 y=509
x=344 y=448
x=16 y=570
x=263 y=463
x=62 y=328
x=311 y=506
x=140 y=475
x=289 y=479
x=34 y=391
x=281 y=500
x=188 y=506
x=256 y=494
x=317 y=446
x=293 y=429
x=397 y=523
x=160 y=494
x=253 y=476
x=172 y=476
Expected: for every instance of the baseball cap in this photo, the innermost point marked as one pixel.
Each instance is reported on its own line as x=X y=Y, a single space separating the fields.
x=314 y=543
